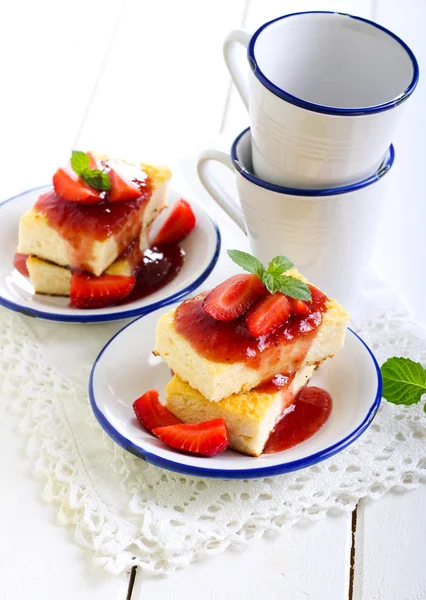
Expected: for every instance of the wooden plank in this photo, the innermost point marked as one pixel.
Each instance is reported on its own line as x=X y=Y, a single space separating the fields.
x=307 y=561
x=52 y=52
x=389 y=547
x=164 y=88
x=40 y=559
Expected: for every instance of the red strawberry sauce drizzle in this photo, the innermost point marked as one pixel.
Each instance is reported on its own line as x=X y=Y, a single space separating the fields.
x=276 y=383
x=307 y=415
x=159 y=266
x=83 y=224
x=231 y=342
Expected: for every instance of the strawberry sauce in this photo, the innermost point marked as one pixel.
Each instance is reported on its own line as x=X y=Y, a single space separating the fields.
x=275 y=384
x=83 y=224
x=307 y=415
x=99 y=220
x=231 y=342
x=159 y=266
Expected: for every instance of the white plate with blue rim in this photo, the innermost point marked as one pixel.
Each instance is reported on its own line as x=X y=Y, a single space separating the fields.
x=126 y=368
x=201 y=247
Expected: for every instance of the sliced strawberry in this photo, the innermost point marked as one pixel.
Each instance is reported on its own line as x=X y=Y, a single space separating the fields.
x=180 y=222
x=233 y=297
x=93 y=163
x=88 y=291
x=151 y=413
x=268 y=314
x=299 y=307
x=122 y=188
x=206 y=439
x=69 y=186
x=20 y=263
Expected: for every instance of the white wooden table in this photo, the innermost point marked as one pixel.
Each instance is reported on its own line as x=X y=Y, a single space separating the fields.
x=147 y=79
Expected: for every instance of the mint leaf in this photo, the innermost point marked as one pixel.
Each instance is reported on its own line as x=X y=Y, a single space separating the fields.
x=273 y=279
x=79 y=162
x=96 y=179
x=290 y=286
x=280 y=264
x=272 y=282
x=404 y=381
x=247 y=262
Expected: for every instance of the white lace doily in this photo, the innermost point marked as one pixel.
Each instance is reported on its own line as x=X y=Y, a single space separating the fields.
x=132 y=513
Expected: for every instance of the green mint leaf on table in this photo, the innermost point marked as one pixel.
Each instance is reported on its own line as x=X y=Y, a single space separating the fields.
x=247 y=262
x=404 y=381
x=273 y=277
x=279 y=265
x=79 y=162
x=96 y=179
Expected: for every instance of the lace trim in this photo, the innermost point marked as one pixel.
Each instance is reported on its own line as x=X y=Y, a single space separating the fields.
x=132 y=513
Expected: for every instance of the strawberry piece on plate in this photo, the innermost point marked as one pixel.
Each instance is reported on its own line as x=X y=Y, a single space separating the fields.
x=122 y=188
x=151 y=413
x=205 y=439
x=69 y=186
x=88 y=291
x=268 y=314
x=20 y=263
x=299 y=307
x=179 y=223
x=233 y=297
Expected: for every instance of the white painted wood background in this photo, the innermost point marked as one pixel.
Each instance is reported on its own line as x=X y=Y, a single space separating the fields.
x=147 y=79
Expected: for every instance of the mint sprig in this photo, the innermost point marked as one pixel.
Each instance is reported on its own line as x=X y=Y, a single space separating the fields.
x=97 y=179
x=273 y=278
x=79 y=161
x=404 y=381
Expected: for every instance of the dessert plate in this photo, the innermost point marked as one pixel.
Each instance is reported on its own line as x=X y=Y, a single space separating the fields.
x=201 y=247
x=126 y=368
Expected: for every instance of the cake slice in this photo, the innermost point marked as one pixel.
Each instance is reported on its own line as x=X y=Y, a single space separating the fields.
x=250 y=417
x=91 y=236
x=49 y=278
x=220 y=359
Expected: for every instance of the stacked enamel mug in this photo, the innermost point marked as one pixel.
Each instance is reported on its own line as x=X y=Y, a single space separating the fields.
x=325 y=93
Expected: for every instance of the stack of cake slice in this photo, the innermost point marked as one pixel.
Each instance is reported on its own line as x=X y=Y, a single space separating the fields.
x=222 y=371
x=74 y=227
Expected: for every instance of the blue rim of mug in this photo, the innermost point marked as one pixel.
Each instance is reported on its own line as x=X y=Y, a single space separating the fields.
x=330 y=110
x=386 y=165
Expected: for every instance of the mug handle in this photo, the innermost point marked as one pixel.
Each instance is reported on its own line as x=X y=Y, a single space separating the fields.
x=214 y=189
x=238 y=36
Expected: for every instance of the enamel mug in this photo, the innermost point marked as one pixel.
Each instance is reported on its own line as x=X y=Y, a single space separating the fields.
x=325 y=93
x=329 y=234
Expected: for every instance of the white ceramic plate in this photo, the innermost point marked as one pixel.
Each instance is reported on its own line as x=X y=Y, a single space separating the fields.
x=202 y=248
x=126 y=368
